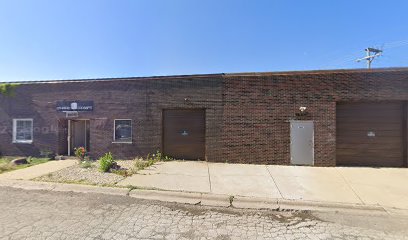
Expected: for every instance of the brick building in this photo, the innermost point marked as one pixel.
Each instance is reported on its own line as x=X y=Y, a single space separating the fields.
x=321 y=118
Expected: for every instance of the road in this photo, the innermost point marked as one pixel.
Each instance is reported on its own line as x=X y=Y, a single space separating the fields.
x=65 y=215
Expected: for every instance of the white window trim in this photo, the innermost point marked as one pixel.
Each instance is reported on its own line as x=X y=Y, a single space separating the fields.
x=15 y=130
x=131 y=131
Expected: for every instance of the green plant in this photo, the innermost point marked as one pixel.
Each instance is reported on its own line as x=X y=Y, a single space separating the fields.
x=158 y=157
x=231 y=199
x=7 y=89
x=121 y=172
x=106 y=162
x=80 y=153
x=167 y=158
x=141 y=164
x=150 y=160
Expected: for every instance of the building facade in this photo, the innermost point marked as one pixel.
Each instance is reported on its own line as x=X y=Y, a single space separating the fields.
x=321 y=118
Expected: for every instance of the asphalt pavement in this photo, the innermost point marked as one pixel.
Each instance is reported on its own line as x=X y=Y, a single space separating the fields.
x=43 y=214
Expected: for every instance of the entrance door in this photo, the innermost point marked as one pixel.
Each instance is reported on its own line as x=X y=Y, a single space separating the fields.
x=184 y=133
x=301 y=142
x=79 y=134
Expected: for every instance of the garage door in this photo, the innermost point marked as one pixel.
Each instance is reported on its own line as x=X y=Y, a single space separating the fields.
x=370 y=134
x=184 y=133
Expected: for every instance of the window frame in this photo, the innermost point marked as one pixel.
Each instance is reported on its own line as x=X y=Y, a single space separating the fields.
x=131 y=131
x=15 y=140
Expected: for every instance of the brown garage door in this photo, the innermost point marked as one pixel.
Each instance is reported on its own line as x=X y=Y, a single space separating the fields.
x=184 y=133
x=370 y=134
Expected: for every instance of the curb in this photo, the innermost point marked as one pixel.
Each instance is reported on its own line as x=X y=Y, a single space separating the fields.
x=328 y=206
x=255 y=203
x=178 y=197
x=302 y=205
x=205 y=199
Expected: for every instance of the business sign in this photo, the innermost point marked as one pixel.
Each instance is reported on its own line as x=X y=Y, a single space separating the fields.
x=78 y=106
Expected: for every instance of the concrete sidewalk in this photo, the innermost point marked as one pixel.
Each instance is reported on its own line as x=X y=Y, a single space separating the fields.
x=384 y=187
x=245 y=186
x=37 y=170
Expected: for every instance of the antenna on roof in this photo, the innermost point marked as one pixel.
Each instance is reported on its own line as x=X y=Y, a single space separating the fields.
x=371 y=54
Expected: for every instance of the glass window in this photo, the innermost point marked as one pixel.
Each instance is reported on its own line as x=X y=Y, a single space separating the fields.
x=123 y=130
x=23 y=130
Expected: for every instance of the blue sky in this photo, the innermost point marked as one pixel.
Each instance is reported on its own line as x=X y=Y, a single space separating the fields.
x=68 y=39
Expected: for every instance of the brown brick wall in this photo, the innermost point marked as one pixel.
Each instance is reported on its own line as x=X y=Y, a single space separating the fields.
x=258 y=108
x=141 y=100
x=247 y=115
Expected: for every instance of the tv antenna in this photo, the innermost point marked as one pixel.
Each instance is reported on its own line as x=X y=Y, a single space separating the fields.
x=371 y=54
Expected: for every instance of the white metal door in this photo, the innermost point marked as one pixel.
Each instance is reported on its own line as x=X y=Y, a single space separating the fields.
x=302 y=142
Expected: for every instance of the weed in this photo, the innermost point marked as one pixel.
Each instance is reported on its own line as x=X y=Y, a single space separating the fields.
x=150 y=160
x=231 y=199
x=121 y=172
x=131 y=187
x=158 y=157
x=141 y=164
x=106 y=162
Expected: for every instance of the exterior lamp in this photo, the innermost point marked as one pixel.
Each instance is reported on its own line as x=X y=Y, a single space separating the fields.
x=302 y=111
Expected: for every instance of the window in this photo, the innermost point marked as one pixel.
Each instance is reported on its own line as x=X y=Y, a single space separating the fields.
x=123 y=131
x=22 y=130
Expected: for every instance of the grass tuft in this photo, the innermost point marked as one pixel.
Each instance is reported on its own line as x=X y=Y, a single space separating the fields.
x=6 y=166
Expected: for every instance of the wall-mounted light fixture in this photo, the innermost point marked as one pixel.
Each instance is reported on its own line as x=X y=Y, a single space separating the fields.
x=302 y=111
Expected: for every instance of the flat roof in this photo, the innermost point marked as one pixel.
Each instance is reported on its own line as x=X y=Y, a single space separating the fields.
x=240 y=74
x=322 y=72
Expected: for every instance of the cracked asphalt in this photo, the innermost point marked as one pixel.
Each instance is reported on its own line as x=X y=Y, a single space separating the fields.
x=64 y=215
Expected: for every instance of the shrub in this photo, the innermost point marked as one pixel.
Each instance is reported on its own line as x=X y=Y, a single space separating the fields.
x=106 y=162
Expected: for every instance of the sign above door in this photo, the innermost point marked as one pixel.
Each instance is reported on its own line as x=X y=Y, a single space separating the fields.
x=78 y=106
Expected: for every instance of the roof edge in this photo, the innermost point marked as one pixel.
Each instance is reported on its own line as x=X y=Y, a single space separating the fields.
x=117 y=78
x=329 y=71
x=239 y=74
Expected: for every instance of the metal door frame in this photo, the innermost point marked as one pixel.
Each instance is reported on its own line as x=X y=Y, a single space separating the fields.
x=313 y=139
